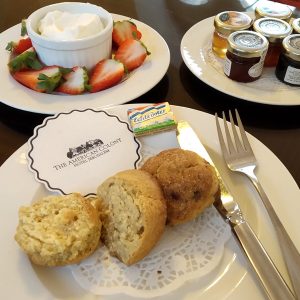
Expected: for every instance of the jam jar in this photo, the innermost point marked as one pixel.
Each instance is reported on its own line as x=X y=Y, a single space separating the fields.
x=274 y=10
x=288 y=67
x=275 y=30
x=246 y=51
x=225 y=23
x=296 y=25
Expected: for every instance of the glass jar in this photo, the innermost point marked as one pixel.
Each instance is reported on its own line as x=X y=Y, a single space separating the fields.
x=296 y=25
x=288 y=67
x=225 y=23
x=246 y=51
x=274 y=10
x=275 y=30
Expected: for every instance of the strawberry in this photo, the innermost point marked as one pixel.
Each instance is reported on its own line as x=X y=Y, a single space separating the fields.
x=76 y=82
x=44 y=80
x=20 y=46
x=123 y=30
x=132 y=54
x=105 y=74
x=26 y=60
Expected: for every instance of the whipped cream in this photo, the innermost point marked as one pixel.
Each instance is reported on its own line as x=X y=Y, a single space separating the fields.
x=66 y=26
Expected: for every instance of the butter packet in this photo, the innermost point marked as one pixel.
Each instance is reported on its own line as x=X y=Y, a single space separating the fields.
x=151 y=119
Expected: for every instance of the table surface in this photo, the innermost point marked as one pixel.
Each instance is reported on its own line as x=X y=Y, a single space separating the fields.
x=275 y=126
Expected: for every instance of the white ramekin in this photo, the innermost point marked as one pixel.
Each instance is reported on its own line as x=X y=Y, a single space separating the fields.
x=82 y=52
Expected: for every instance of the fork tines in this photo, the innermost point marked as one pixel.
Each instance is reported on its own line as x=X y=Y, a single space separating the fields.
x=241 y=143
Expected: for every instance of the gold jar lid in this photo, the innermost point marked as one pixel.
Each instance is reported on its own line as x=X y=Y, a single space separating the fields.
x=227 y=22
x=247 y=43
x=275 y=30
x=291 y=46
x=273 y=10
x=296 y=25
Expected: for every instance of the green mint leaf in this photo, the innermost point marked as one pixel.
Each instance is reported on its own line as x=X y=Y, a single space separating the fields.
x=10 y=46
x=23 y=28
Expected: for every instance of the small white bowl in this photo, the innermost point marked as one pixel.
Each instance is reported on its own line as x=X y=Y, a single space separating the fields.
x=85 y=52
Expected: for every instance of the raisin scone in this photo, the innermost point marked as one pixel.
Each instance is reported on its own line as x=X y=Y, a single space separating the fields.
x=133 y=214
x=58 y=230
x=189 y=183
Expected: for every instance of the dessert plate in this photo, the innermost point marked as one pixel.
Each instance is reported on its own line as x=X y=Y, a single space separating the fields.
x=198 y=56
x=231 y=279
x=139 y=82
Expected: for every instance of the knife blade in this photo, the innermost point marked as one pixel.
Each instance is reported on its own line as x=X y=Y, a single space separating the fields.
x=270 y=278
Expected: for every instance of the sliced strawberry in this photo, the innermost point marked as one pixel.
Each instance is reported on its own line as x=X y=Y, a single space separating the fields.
x=19 y=46
x=44 y=80
x=76 y=82
x=132 y=54
x=106 y=73
x=124 y=30
x=26 y=60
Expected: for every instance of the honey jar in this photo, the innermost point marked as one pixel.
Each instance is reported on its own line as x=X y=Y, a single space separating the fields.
x=273 y=10
x=225 y=23
x=296 y=25
x=275 y=30
x=246 y=51
x=288 y=67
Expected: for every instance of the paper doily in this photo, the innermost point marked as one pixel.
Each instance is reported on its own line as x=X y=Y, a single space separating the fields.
x=184 y=252
x=267 y=81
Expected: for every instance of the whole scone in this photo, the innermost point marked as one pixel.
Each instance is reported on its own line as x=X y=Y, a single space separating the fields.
x=58 y=230
x=189 y=183
x=133 y=214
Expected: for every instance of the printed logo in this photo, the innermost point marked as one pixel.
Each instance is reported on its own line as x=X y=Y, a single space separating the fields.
x=88 y=146
x=86 y=152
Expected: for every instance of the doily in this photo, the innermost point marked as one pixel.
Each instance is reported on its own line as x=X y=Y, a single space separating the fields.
x=267 y=81
x=184 y=252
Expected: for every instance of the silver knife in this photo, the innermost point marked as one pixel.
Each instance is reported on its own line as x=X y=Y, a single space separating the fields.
x=272 y=281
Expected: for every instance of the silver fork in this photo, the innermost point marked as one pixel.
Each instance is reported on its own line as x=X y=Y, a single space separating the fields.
x=239 y=157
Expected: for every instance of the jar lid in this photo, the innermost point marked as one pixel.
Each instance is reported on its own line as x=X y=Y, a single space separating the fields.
x=273 y=10
x=275 y=30
x=296 y=25
x=247 y=43
x=227 y=22
x=291 y=46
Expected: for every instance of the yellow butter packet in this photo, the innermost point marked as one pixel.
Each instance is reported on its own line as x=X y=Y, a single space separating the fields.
x=151 y=118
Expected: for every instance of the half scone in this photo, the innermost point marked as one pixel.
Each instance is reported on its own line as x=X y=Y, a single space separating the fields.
x=58 y=230
x=134 y=214
x=189 y=183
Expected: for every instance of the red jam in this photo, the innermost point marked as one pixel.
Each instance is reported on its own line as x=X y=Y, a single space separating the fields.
x=245 y=56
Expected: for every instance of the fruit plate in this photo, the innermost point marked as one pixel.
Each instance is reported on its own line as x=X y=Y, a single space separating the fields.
x=139 y=82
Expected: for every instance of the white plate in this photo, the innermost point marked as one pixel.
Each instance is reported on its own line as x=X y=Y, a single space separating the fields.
x=196 y=52
x=141 y=80
x=233 y=278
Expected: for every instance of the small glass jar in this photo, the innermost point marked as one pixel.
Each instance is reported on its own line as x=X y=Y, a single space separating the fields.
x=225 y=23
x=275 y=30
x=271 y=9
x=296 y=25
x=246 y=51
x=288 y=67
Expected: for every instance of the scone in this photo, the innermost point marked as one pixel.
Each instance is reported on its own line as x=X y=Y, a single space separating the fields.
x=189 y=183
x=134 y=214
x=58 y=230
